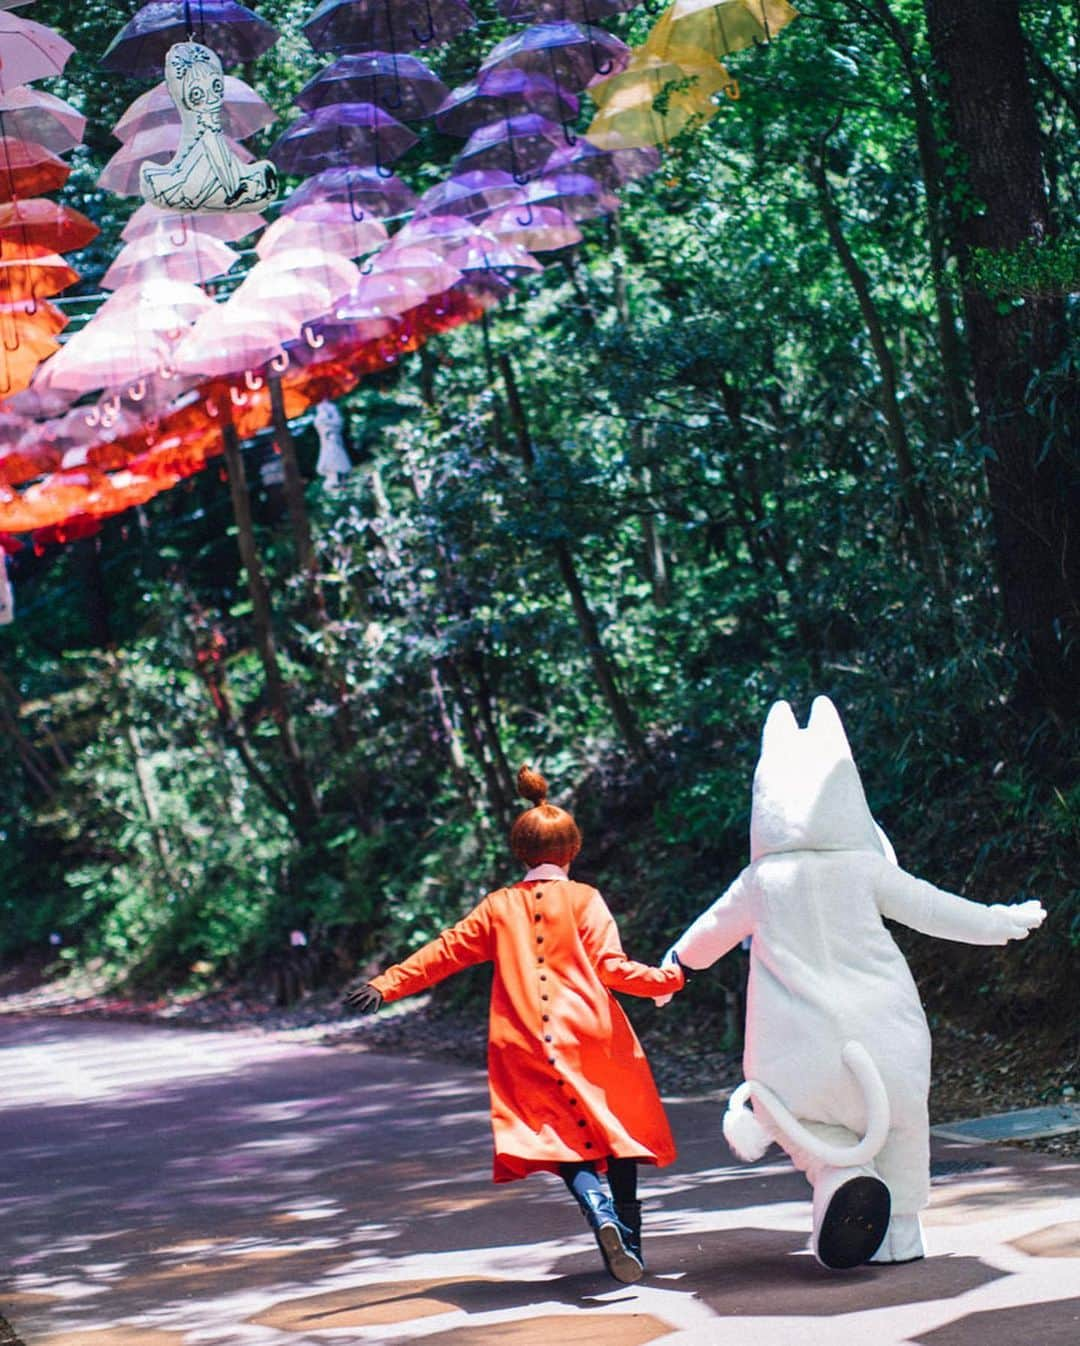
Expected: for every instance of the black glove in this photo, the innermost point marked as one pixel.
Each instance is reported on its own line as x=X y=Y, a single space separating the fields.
x=365 y=999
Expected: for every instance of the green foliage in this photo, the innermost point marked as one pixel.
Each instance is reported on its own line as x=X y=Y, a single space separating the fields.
x=703 y=404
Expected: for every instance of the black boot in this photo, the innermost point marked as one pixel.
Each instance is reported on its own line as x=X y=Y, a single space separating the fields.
x=629 y=1212
x=612 y=1236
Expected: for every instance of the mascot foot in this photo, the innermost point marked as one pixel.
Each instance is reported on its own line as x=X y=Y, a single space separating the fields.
x=851 y=1216
x=903 y=1241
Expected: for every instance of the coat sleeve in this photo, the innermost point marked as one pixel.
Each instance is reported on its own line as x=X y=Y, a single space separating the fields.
x=460 y=947
x=716 y=931
x=600 y=936
x=914 y=902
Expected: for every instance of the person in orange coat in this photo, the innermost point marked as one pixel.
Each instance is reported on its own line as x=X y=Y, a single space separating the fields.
x=571 y=1090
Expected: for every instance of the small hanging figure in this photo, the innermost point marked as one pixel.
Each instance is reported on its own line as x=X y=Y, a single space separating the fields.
x=204 y=174
x=7 y=594
x=333 y=461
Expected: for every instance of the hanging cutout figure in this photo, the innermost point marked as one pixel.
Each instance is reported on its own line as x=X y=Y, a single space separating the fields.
x=333 y=464
x=204 y=174
x=7 y=594
x=837 y=1055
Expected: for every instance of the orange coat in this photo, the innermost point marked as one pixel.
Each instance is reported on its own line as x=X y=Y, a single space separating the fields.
x=569 y=1080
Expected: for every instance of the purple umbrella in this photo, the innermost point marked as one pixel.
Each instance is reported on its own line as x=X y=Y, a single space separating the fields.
x=519 y=145
x=581 y=197
x=572 y=54
x=468 y=194
x=507 y=92
x=399 y=84
x=364 y=191
x=610 y=168
x=340 y=135
x=386 y=25
x=551 y=11
x=229 y=28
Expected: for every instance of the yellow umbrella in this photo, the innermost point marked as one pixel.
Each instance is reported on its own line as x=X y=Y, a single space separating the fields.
x=652 y=100
x=715 y=27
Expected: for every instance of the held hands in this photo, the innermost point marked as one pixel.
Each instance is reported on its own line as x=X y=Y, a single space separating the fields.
x=365 y=999
x=670 y=959
x=1016 y=920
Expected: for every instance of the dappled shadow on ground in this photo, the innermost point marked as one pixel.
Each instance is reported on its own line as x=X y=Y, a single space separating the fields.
x=1051 y=1323
x=301 y=1190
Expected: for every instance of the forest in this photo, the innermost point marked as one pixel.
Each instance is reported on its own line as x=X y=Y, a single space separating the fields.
x=802 y=417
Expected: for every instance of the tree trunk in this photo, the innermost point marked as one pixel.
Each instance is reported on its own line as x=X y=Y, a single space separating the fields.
x=1031 y=437
x=895 y=429
x=88 y=558
x=603 y=666
x=305 y=808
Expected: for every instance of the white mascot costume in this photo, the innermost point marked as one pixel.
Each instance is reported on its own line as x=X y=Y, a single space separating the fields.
x=837 y=1056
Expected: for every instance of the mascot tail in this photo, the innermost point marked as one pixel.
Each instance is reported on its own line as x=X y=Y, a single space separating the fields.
x=749 y=1139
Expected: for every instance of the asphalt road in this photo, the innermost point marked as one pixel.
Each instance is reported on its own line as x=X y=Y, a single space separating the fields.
x=165 y=1187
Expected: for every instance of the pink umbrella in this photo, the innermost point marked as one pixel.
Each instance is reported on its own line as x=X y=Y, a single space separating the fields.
x=540 y=228
x=216 y=349
x=229 y=226
x=29 y=51
x=381 y=296
x=243 y=113
x=157 y=304
x=315 y=266
x=437 y=231
x=106 y=354
x=200 y=258
x=158 y=144
x=424 y=265
x=493 y=257
x=32 y=114
x=343 y=235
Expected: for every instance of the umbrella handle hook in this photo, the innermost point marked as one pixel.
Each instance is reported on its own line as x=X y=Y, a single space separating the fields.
x=604 y=66
x=380 y=168
x=211 y=408
x=254 y=381
x=528 y=216
x=179 y=242
x=93 y=416
x=429 y=36
x=236 y=397
x=314 y=339
x=11 y=349
x=137 y=391
x=280 y=362
x=391 y=105
x=351 y=194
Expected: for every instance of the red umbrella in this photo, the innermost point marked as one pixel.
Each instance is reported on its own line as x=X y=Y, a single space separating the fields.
x=29 y=51
x=45 y=223
x=29 y=169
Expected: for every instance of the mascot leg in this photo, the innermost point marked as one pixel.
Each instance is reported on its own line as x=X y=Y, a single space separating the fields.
x=904 y=1163
x=851 y=1215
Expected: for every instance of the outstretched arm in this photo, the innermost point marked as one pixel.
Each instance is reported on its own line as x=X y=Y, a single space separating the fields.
x=600 y=936
x=715 y=932
x=459 y=947
x=902 y=897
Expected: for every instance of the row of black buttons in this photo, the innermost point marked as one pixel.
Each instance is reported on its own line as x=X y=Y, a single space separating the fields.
x=547 y=1017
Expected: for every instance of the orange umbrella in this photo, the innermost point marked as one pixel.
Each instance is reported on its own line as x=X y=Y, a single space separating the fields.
x=46 y=224
x=29 y=169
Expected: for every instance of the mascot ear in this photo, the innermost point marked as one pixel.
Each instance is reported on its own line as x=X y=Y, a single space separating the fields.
x=827 y=728
x=780 y=728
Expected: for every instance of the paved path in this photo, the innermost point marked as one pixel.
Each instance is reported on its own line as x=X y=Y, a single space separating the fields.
x=170 y=1188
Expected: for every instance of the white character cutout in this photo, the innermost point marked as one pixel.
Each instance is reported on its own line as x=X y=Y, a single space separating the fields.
x=204 y=174
x=837 y=1050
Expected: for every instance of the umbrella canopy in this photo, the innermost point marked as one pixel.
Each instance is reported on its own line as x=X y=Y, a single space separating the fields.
x=228 y=226
x=386 y=25
x=504 y=92
x=156 y=304
x=401 y=85
x=579 y=195
x=29 y=169
x=46 y=224
x=572 y=54
x=199 y=258
x=230 y=29
x=106 y=354
x=29 y=51
x=341 y=234
x=381 y=295
x=653 y=100
x=25 y=345
x=26 y=279
x=539 y=228
x=217 y=346
x=243 y=111
x=715 y=27
x=494 y=259
x=363 y=190
x=38 y=312
x=427 y=265
x=439 y=231
x=518 y=145
x=611 y=168
x=340 y=134
x=469 y=194
x=156 y=144
x=33 y=114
